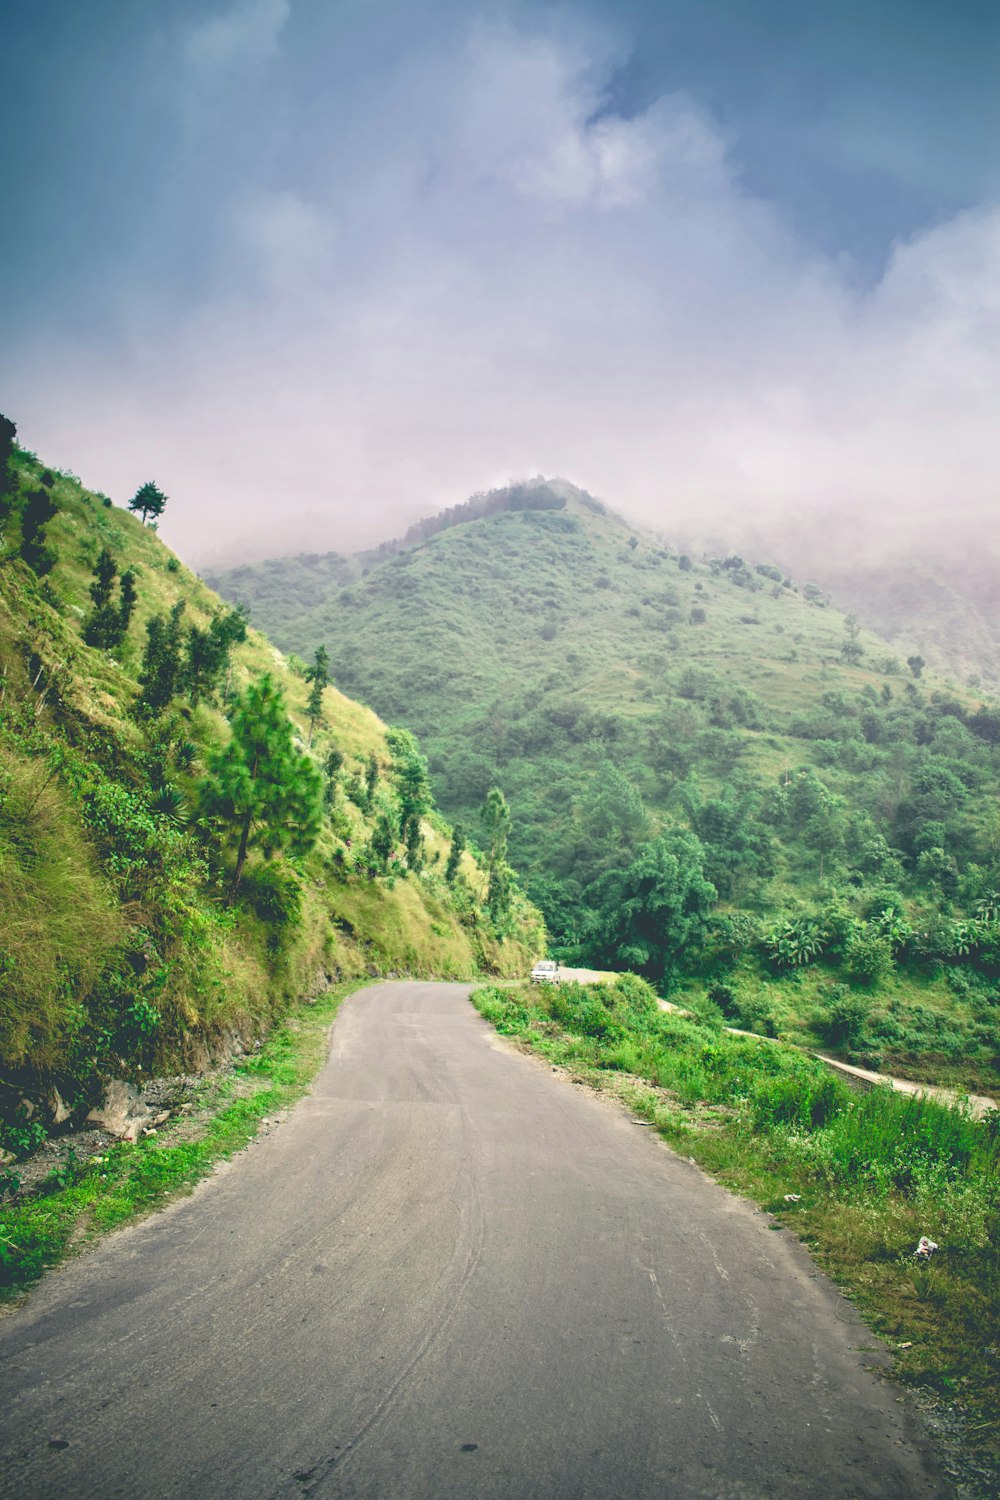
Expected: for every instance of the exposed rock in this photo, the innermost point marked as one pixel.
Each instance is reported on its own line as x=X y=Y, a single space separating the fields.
x=124 y=1113
x=60 y=1109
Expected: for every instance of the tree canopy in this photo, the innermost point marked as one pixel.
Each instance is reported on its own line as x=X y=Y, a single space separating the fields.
x=259 y=786
x=149 y=501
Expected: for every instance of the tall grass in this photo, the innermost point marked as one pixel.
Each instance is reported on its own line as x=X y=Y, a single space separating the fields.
x=883 y=1139
x=58 y=923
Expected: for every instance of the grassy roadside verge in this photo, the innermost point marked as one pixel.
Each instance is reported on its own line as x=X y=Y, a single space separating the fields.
x=128 y=1181
x=869 y=1173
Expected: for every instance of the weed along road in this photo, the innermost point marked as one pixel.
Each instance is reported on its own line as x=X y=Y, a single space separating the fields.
x=448 y=1275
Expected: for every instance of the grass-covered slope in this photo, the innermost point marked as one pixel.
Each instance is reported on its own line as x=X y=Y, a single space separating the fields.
x=930 y=585
x=124 y=943
x=715 y=778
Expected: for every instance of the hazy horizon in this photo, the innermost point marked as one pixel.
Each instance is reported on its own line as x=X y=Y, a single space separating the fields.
x=322 y=271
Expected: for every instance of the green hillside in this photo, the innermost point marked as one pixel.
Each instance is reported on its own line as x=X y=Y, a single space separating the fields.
x=929 y=587
x=131 y=938
x=715 y=778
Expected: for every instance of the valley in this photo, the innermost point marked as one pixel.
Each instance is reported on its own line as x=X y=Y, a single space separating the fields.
x=715 y=778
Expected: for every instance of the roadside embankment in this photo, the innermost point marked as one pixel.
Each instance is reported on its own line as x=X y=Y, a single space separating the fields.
x=97 y=1181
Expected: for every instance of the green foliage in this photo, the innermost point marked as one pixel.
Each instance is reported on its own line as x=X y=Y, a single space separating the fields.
x=108 y=624
x=37 y=511
x=207 y=653
x=382 y=841
x=116 y=952
x=844 y=1020
x=868 y=958
x=410 y=776
x=796 y=1100
x=58 y=922
x=652 y=915
x=851 y=648
x=371 y=782
x=275 y=892
x=262 y=789
x=615 y=704
x=149 y=502
x=792 y=943
x=161 y=673
x=319 y=675
x=455 y=853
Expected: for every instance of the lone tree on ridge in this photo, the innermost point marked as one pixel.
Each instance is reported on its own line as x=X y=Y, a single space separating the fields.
x=148 y=500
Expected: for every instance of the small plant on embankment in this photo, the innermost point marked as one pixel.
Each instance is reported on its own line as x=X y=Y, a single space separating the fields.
x=870 y=1173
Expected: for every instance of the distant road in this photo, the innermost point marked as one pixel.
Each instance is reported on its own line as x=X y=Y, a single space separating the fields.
x=448 y=1275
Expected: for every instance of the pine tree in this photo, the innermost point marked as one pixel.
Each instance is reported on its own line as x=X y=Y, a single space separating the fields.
x=148 y=500
x=455 y=853
x=411 y=776
x=207 y=651
x=38 y=511
x=413 y=838
x=8 y=432
x=127 y=599
x=495 y=815
x=851 y=648
x=161 y=671
x=109 y=622
x=382 y=841
x=371 y=780
x=265 y=790
x=499 y=891
x=319 y=675
x=105 y=573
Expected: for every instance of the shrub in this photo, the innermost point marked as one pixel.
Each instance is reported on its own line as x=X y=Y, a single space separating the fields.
x=797 y=1100
x=636 y=996
x=868 y=958
x=275 y=892
x=757 y=1014
x=790 y=944
x=843 y=1023
x=724 y=996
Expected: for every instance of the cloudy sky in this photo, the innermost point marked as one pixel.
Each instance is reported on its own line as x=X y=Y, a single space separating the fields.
x=319 y=267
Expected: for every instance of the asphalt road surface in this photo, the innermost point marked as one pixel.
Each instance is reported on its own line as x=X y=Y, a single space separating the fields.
x=449 y=1273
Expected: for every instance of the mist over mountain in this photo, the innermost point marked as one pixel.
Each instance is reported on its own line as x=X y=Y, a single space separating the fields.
x=922 y=584
x=920 y=587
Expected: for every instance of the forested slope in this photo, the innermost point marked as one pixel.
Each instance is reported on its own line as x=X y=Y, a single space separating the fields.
x=192 y=834
x=715 y=778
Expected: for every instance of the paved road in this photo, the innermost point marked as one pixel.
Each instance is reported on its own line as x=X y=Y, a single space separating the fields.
x=448 y=1275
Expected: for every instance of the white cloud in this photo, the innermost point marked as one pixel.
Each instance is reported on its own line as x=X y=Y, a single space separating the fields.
x=244 y=36
x=524 y=282
x=282 y=241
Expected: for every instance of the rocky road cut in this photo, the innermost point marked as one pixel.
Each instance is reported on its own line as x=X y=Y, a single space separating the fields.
x=449 y=1274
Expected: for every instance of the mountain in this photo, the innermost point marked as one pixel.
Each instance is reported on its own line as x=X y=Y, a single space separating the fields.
x=714 y=777
x=133 y=934
x=925 y=586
